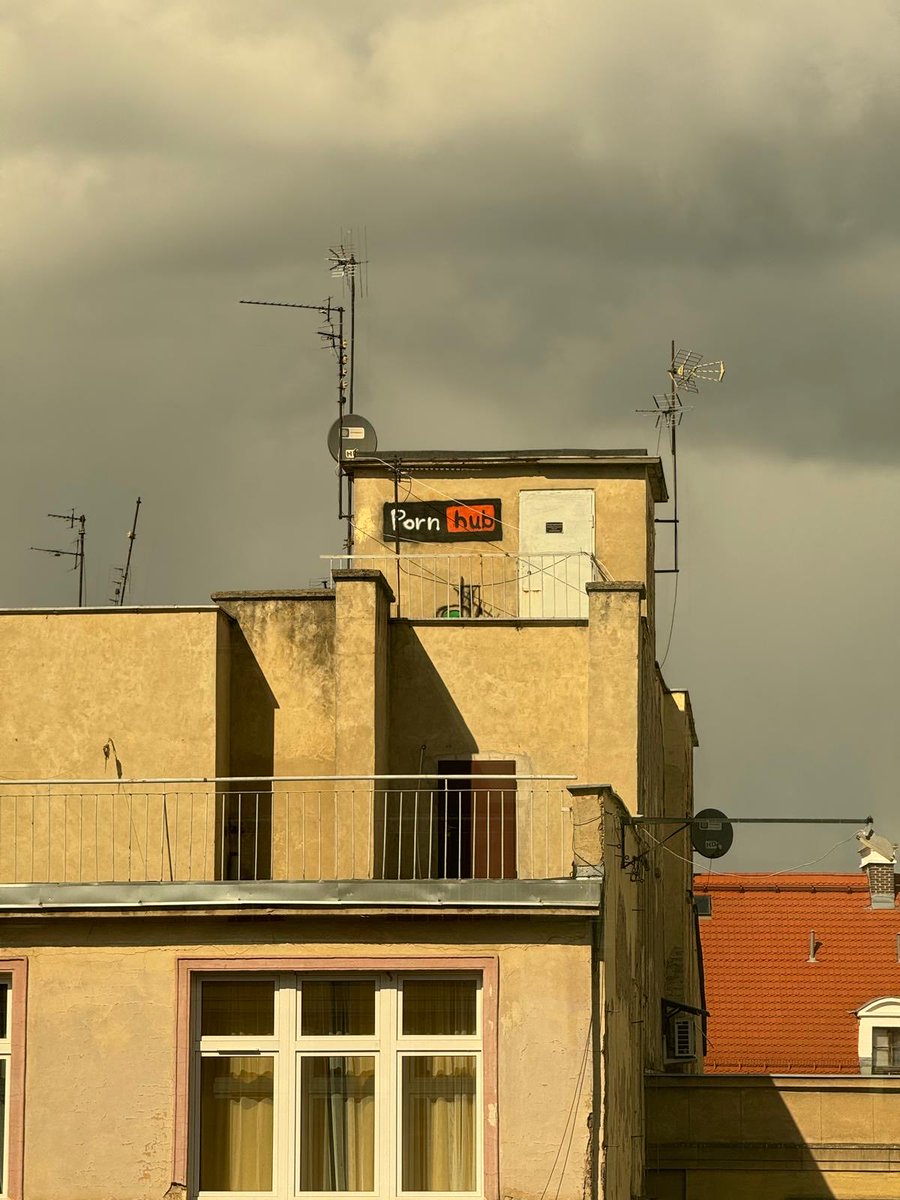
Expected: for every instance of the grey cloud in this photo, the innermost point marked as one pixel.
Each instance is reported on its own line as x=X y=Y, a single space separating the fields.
x=552 y=190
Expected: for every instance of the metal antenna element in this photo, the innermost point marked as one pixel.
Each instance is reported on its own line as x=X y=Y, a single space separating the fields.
x=77 y=553
x=345 y=265
x=121 y=584
x=686 y=370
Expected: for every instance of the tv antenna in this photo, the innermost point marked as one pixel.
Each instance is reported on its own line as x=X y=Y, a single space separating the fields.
x=686 y=371
x=77 y=553
x=120 y=585
x=344 y=264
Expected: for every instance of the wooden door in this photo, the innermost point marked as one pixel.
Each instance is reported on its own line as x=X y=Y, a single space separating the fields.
x=475 y=825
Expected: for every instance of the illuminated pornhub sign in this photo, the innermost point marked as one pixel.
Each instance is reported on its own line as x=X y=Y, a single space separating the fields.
x=443 y=521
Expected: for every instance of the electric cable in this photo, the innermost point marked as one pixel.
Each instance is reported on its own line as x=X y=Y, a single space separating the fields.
x=671 y=624
x=570 y=1117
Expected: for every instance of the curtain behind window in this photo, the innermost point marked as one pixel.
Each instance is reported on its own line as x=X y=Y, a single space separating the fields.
x=236 y=1103
x=439 y=1123
x=337 y=1124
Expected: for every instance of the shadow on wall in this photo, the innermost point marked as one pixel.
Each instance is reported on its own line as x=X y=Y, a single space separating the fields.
x=425 y=727
x=244 y=810
x=771 y=1137
x=422 y=711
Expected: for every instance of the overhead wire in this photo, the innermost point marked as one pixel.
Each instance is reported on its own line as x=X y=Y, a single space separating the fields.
x=504 y=524
x=671 y=624
x=812 y=862
x=569 y=1126
x=767 y=875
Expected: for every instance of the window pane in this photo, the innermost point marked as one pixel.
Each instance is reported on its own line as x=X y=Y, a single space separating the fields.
x=438 y=1116
x=886 y=1049
x=236 y=1101
x=337 y=1124
x=439 y=1006
x=337 y=1006
x=240 y=1007
x=4 y=1010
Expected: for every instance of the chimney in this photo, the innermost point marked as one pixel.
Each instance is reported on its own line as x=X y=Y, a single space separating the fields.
x=877 y=857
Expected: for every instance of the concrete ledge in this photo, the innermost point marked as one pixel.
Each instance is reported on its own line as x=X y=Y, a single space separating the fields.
x=355 y=575
x=618 y=585
x=772 y=1156
x=108 y=609
x=286 y=594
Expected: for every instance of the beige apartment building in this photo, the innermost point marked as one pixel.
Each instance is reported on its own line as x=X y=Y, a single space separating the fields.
x=332 y=892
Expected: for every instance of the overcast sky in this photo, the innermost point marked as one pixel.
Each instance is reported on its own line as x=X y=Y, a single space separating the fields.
x=552 y=190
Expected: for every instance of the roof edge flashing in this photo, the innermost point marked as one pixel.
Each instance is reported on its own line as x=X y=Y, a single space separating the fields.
x=387 y=461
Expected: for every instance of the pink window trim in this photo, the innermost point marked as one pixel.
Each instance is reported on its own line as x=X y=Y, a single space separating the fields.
x=17 y=970
x=487 y=966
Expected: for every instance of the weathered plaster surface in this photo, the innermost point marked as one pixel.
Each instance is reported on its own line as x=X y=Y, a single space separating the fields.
x=98 y=989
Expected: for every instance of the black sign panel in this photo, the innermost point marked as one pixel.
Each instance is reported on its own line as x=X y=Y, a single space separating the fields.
x=443 y=521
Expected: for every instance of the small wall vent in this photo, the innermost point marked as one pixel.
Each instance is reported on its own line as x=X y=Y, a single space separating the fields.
x=681 y=1042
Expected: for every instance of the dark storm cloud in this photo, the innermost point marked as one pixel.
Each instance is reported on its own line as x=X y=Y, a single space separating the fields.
x=552 y=189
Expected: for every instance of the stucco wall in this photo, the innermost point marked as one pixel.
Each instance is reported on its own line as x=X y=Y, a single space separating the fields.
x=623 y=1011
x=73 y=680
x=623 y=541
x=768 y=1137
x=498 y=691
x=681 y=970
x=282 y=687
x=100 y=1092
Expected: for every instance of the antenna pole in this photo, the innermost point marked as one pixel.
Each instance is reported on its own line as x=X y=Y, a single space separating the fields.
x=397 y=469
x=352 y=323
x=339 y=347
x=77 y=553
x=132 y=534
x=396 y=506
x=686 y=370
x=82 y=520
x=343 y=263
x=674 y=443
x=345 y=478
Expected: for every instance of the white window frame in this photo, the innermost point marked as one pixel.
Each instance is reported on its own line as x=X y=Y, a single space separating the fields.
x=6 y=1056
x=289 y=1047
x=883 y=1013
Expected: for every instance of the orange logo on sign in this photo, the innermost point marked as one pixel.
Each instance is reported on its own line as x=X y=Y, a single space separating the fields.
x=471 y=518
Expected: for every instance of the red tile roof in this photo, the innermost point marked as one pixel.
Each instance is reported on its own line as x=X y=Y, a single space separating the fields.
x=772 y=1011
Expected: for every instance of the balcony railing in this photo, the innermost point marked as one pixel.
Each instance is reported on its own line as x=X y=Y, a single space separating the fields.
x=542 y=587
x=297 y=829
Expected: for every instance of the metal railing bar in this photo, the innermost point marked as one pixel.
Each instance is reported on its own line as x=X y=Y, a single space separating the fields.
x=481 y=830
x=122 y=783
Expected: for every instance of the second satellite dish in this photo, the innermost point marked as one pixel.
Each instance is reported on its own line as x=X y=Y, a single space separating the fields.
x=351 y=436
x=711 y=833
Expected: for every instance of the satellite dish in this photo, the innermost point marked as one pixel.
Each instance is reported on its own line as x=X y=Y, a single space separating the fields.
x=711 y=833
x=349 y=436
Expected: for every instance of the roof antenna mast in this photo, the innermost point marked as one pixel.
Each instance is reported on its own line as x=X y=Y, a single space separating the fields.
x=345 y=265
x=685 y=371
x=77 y=553
x=120 y=585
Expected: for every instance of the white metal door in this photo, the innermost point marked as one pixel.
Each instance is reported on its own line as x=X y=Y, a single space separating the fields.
x=556 y=546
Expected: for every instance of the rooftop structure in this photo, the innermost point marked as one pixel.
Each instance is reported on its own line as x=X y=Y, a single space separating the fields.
x=330 y=888
x=793 y=964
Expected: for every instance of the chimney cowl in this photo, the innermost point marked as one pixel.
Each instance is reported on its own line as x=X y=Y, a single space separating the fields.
x=874 y=849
